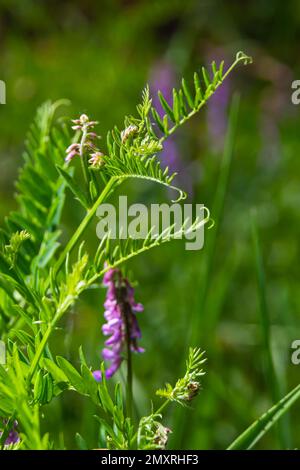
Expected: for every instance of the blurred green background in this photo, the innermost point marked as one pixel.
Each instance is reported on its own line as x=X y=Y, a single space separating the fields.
x=100 y=55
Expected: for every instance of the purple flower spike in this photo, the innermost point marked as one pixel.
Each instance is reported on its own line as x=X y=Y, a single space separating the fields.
x=121 y=323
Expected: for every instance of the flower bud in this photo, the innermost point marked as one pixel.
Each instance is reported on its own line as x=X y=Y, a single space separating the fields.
x=128 y=132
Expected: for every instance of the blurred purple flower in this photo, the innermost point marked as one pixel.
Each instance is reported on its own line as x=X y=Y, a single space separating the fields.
x=275 y=104
x=121 y=322
x=13 y=435
x=163 y=78
x=217 y=115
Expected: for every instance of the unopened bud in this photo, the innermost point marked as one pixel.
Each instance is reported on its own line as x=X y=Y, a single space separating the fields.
x=128 y=132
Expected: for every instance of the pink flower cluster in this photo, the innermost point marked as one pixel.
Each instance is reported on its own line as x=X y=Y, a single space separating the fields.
x=87 y=142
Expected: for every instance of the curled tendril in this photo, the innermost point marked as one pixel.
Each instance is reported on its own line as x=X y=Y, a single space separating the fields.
x=242 y=57
x=212 y=223
x=196 y=224
x=182 y=194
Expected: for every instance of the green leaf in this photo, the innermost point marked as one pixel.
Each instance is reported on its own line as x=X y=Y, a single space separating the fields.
x=48 y=248
x=157 y=119
x=187 y=93
x=198 y=91
x=40 y=192
x=72 y=374
x=48 y=389
x=57 y=373
x=118 y=396
x=90 y=383
x=167 y=108
x=104 y=395
x=82 y=357
x=176 y=106
x=38 y=385
x=182 y=104
x=74 y=187
x=205 y=77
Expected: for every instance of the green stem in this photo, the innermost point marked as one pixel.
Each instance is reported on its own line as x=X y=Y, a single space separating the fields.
x=162 y=407
x=203 y=102
x=82 y=227
x=40 y=351
x=129 y=395
x=37 y=429
x=83 y=161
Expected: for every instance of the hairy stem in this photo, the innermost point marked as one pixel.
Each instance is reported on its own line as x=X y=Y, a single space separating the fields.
x=129 y=396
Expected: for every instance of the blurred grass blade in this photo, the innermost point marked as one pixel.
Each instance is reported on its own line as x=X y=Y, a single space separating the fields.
x=217 y=213
x=81 y=443
x=259 y=428
x=272 y=379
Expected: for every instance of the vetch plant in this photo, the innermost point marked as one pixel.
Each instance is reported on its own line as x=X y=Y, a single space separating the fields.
x=41 y=278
